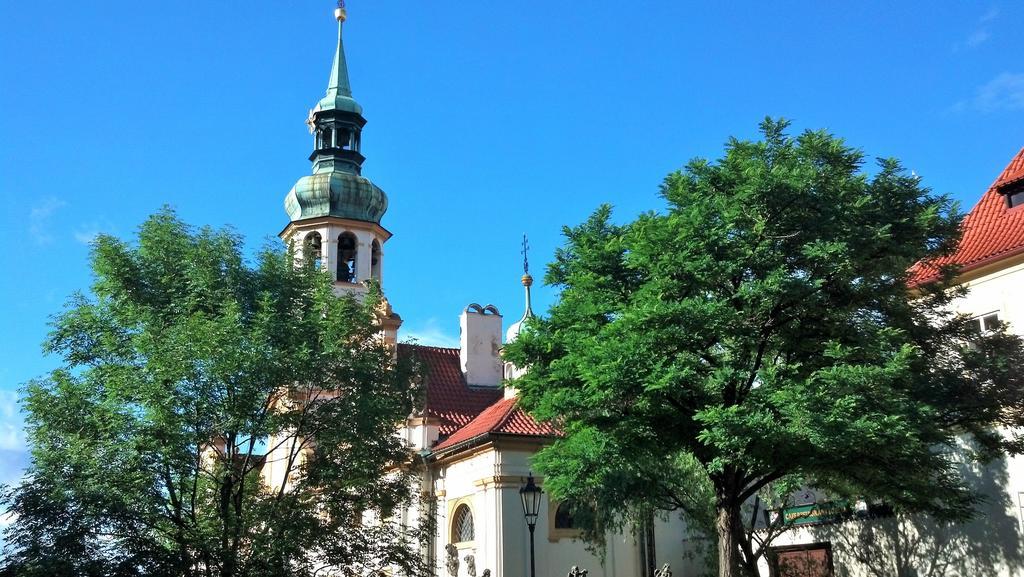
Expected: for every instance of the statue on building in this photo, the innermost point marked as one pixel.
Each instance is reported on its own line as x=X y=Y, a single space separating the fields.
x=665 y=571
x=452 y=562
x=470 y=566
x=577 y=572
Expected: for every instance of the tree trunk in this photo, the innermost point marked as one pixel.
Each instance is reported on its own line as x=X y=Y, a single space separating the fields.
x=728 y=553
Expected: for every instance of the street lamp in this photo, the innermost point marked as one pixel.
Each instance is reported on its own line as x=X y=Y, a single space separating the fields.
x=530 y=494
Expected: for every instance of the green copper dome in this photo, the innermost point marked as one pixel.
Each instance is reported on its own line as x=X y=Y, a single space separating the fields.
x=336 y=193
x=336 y=187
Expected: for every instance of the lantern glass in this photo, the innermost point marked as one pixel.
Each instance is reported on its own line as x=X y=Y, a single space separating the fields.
x=530 y=493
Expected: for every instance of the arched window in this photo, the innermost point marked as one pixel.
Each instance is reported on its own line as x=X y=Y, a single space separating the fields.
x=563 y=516
x=375 y=260
x=462 y=524
x=312 y=249
x=347 y=251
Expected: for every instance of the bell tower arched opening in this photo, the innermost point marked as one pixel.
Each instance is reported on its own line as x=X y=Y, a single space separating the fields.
x=375 y=258
x=348 y=249
x=312 y=249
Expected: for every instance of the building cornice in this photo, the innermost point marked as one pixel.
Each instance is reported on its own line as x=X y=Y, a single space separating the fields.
x=373 y=227
x=489 y=441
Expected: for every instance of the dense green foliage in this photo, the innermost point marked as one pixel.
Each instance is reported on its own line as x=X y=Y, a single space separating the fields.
x=759 y=335
x=182 y=368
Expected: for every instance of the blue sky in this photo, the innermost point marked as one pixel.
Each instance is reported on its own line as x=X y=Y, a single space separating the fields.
x=486 y=120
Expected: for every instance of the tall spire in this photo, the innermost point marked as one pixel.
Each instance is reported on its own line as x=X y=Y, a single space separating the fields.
x=513 y=330
x=338 y=83
x=339 y=90
x=527 y=279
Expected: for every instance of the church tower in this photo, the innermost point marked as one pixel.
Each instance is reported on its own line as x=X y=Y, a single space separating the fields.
x=335 y=212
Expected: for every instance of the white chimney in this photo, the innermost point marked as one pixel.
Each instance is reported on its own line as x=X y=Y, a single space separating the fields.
x=480 y=345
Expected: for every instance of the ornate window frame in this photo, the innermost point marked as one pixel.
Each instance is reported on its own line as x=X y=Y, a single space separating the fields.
x=453 y=509
x=556 y=534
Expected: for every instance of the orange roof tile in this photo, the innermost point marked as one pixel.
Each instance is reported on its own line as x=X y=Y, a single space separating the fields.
x=991 y=231
x=503 y=417
x=448 y=397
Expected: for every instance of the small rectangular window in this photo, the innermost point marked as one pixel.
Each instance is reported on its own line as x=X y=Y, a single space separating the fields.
x=990 y=322
x=1014 y=193
x=1015 y=198
x=985 y=323
x=976 y=326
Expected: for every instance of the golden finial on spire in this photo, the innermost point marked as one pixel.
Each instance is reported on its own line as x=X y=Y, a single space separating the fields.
x=339 y=12
x=527 y=279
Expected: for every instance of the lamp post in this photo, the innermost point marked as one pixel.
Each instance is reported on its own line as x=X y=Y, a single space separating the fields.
x=530 y=494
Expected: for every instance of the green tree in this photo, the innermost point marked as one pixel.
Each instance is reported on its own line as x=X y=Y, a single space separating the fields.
x=185 y=373
x=758 y=335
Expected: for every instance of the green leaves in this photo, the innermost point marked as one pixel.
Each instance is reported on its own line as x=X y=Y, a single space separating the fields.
x=194 y=383
x=761 y=325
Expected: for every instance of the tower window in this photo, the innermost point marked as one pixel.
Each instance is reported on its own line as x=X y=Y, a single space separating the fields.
x=375 y=260
x=312 y=250
x=347 y=252
x=344 y=139
x=462 y=525
x=327 y=140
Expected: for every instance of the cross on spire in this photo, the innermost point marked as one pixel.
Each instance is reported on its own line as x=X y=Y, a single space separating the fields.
x=526 y=259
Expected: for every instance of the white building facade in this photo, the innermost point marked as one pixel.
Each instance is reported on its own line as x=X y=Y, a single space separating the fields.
x=991 y=257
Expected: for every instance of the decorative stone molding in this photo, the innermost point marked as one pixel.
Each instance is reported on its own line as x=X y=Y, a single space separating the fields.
x=453 y=506
x=452 y=559
x=503 y=481
x=556 y=534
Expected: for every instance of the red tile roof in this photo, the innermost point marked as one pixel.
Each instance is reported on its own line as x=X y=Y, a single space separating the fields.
x=503 y=417
x=448 y=397
x=991 y=231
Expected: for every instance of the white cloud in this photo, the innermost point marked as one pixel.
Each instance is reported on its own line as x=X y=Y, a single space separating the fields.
x=977 y=38
x=14 y=456
x=981 y=32
x=8 y=404
x=13 y=465
x=85 y=236
x=11 y=437
x=12 y=429
x=1005 y=92
x=86 y=232
x=430 y=333
x=39 y=227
